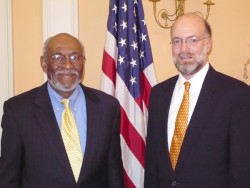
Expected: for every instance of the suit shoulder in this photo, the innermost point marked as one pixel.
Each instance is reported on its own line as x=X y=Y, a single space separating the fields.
x=99 y=95
x=230 y=82
x=166 y=84
x=23 y=97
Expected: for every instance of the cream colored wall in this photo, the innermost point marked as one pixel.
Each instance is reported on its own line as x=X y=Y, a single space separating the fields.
x=27 y=44
x=231 y=37
x=229 y=20
x=92 y=31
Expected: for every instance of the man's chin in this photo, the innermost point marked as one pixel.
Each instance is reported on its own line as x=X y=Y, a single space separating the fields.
x=63 y=86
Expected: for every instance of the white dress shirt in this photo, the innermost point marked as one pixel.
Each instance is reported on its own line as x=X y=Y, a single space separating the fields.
x=196 y=83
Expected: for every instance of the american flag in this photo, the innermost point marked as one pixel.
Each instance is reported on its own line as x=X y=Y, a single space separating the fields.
x=128 y=74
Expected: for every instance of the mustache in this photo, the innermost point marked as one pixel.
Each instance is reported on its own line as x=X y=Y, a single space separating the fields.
x=66 y=71
x=183 y=54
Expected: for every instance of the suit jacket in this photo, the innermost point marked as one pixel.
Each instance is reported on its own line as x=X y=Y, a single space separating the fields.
x=33 y=153
x=216 y=148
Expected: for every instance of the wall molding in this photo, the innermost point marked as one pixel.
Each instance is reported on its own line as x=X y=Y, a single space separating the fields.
x=6 y=54
x=59 y=16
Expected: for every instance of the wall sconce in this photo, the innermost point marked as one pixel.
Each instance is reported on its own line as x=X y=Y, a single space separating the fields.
x=162 y=17
x=245 y=75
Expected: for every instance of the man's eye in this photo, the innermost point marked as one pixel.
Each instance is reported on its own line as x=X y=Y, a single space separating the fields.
x=58 y=58
x=177 y=41
x=74 y=58
x=193 y=41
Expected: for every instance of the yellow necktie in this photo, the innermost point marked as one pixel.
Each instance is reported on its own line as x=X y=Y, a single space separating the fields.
x=71 y=139
x=180 y=127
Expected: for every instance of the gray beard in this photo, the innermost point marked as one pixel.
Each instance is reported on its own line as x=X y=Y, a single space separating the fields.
x=60 y=87
x=200 y=61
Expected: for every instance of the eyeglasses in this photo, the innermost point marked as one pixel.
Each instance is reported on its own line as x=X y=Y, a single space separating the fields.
x=61 y=59
x=190 y=41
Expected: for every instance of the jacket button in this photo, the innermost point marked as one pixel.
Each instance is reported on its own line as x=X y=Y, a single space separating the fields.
x=174 y=183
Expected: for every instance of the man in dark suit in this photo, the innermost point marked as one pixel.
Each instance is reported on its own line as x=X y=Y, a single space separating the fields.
x=214 y=152
x=33 y=151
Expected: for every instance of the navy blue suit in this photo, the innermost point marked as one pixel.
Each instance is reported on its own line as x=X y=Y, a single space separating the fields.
x=33 y=153
x=216 y=148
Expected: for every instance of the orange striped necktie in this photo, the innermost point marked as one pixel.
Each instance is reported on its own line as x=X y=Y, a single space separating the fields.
x=181 y=124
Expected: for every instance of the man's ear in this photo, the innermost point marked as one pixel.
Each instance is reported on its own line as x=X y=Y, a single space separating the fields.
x=209 y=45
x=43 y=64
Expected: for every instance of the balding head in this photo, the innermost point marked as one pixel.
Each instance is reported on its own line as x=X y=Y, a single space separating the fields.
x=193 y=21
x=61 y=37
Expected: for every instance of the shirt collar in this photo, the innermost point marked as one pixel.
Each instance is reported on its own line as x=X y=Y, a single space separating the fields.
x=196 y=81
x=58 y=98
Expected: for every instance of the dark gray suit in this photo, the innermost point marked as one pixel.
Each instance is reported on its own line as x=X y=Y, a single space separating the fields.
x=33 y=153
x=216 y=149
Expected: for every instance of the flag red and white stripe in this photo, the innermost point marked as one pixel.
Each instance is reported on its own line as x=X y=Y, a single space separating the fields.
x=128 y=74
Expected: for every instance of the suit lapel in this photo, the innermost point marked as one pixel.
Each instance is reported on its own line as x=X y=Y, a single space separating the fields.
x=92 y=132
x=204 y=108
x=164 y=104
x=48 y=124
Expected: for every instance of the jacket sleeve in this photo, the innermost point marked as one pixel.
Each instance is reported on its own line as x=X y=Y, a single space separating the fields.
x=11 y=150
x=115 y=172
x=151 y=172
x=239 y=159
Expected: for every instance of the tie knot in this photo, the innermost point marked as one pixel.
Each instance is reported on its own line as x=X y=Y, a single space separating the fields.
x=187 y=86
x=65 y=102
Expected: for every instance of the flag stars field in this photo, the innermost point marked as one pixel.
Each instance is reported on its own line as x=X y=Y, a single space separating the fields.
x=128 y=74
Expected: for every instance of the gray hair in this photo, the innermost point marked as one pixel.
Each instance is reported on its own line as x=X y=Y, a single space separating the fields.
x=47 y=42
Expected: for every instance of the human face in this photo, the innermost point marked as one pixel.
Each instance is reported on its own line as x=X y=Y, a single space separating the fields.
x=190 y=55
x=63 y=70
